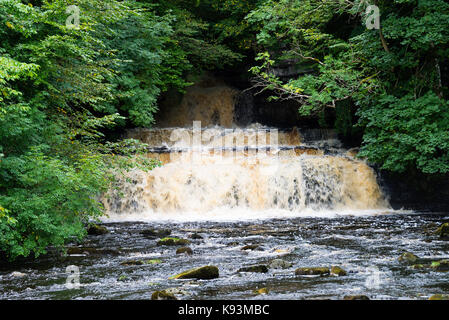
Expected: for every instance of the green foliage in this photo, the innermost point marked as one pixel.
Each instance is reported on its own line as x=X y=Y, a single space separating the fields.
x=404 y=133
x=392 y=75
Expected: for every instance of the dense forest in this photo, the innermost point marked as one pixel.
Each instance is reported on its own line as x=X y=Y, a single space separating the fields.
x=66 y=86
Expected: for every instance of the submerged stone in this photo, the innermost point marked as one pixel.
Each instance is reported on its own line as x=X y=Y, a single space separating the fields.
x=408 y=258
x=172 y=242
x=313 y=271
x=280 y=264
x=251 y=247
x=152 y=233
x=185 y=250
x=338 y=271
x=205 y=273
x=259 y=268
x=163 y=295
x=196 y=236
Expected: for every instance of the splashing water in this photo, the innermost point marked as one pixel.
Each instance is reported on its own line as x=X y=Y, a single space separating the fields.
x=235 y=172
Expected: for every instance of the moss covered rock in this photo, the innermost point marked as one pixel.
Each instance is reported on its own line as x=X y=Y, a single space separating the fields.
x=163 y=295
x=443 y=231
x=140 y=262
x=312 y=271
x=439 y=297
x=172 y=242
x=185 y=250
x=206 y=273
x=96 y=230
x=408 y=258
x=337 y=271
x=442 y=265
x=261 y=291
x=259 y=268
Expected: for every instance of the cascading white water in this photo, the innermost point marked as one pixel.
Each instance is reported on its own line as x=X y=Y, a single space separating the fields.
x=241 y=178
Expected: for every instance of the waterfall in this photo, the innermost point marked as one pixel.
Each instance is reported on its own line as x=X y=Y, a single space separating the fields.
x=246 y=171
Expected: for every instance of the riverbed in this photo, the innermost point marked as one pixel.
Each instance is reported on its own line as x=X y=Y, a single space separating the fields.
x=366 y=246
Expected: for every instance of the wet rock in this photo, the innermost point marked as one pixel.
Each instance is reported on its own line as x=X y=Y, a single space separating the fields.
x=259 y=268
x=261 y=291
x=442 y=265
x=312 y=271
x=443 y=231
x=96 y=230
x=185 y=250
x=356 y=297
x=196 y=236
x=206 y=273
x=140 y=262
x=163 y=295
x=439 y=297
x=17 y=274
x=152 y=233
x=251 y=247
x=176 y=291
x=418 y=266
x=132 y=263
x=408 y=258
x=172 y=242
x=280 y=264
x=337 y=271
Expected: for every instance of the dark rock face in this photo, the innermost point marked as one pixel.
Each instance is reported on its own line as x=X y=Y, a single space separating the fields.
x=415 y=191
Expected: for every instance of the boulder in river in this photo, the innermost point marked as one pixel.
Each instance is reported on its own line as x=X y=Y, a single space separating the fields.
x=163 y=295
x=185 y=250
x=321 y=271
x=251 y=247
x=259 y=268
x=96 y=230
x=172 y=242
x=196 y=236
x=205 y=273
x=408 y=258
x=337 y=271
